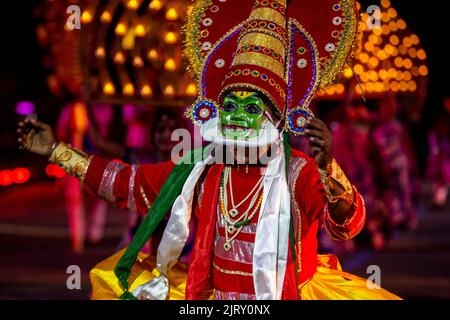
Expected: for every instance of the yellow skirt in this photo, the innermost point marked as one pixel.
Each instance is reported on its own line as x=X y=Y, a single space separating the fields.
x=328 y=283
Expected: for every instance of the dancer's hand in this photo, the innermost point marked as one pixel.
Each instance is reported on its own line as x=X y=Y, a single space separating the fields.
x=35 y=136
x=321 y=142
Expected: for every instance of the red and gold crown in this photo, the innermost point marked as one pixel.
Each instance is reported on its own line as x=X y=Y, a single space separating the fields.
x=285 y=52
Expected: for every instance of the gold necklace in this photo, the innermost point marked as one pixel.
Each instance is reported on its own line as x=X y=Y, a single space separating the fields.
x=234 y=227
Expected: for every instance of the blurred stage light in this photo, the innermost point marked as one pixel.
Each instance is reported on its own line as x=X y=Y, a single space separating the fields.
x=25 y=108
x=6 y=178
x=21 y=175
x=54 y=171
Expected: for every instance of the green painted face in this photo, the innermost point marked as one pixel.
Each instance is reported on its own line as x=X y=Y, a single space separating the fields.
x=242 y=115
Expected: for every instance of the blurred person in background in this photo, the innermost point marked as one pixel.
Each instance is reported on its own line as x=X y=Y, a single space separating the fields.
x=358 y=158
x=73 y=125
x=391 y=141
x=438 y=171
x=142 y=145
x=143 y=148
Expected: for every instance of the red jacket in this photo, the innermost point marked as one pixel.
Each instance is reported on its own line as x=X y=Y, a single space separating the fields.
x=136 y=188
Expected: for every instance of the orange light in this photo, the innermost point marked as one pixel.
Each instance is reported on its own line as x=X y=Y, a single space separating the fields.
x=80 y=117
x=137 y=62
x=119 y=58
x=21 y=175
x=152 y=54
x=373 y=38
x=401 y=24
x=407 y=63
x=412 y=52
x=340 y=88
x=128 y=90
x=407 y=75
x=395 y=86
x=348 y=73
x=407 y=42
x=191 y=90
x=389 y=49
x=393 y=26
x=368 y=46
x=330 y=91
x=86 y=17
x=169 y=90
x=392 y=12
x=415 y=39
x=423 y=70
x=395 y=52
x=364 y=77
x=171 y=14
x=412 y=86
x=100 y=52
x=358 y=69
x=421 y=54
x=392 y=73
x=155 y=5
x=121 y=29
x=108 y=88
x=379 y=87
x=132 y=4
x=374 y=62
x=146 y=91
x=170 y=65
x=403 y=86
x=382 y=55
x=394 y=40
x=369 y=86
x=383 y=74
x=361 y=27
x=373 y=75
x=171 y=37
x=140 y=30
x=106 y=17
x=402 y=49
x=385 y=29
x=364 y=57
x=385 y=3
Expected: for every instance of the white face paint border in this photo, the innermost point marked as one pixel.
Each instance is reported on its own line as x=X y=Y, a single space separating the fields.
x=211 y=131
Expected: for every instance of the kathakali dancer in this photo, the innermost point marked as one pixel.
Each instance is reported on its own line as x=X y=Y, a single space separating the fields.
x=238 y=229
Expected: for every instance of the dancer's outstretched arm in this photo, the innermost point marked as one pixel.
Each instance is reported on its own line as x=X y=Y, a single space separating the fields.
x=128 y=186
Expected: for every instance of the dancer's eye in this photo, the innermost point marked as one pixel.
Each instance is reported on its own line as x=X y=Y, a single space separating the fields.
x=230 y=107
x=253 y=109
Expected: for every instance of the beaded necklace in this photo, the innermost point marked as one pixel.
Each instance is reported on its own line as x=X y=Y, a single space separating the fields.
x=233 y=225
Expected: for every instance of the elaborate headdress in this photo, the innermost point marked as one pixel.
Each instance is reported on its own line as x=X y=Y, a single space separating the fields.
x=285 y=52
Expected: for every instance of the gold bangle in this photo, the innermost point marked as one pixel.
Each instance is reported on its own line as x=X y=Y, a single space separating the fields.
x=71 y=160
